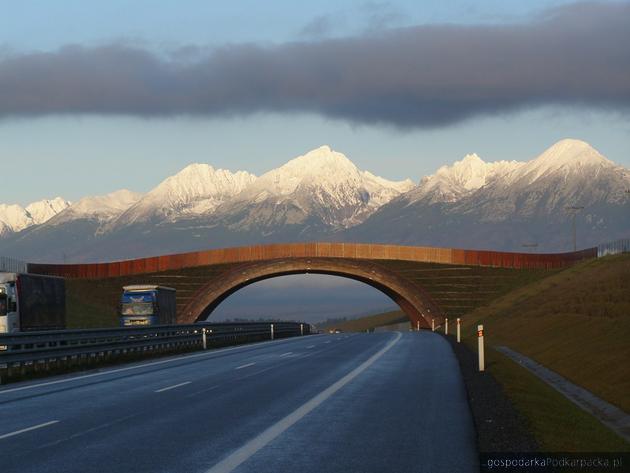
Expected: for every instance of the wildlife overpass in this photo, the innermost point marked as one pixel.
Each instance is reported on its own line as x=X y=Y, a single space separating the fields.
x=427 y=283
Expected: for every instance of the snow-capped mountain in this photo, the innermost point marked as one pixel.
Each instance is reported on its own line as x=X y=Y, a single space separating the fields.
x=43 y=210
x=14 y=218
x=196 y=190
x=311 y=196
x=100 y=208
x=507 y=204
x=571 y=173
x=451 y=183
x=320 y=189
x=322 y=195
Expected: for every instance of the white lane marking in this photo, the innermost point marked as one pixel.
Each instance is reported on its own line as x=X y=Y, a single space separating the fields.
x=255 y=373
x=245 y=366
x=93 y=429
x=211 y=388
x=172 y=387
x=239 y=456
x=28 y=429
x=286 y=354
x=327 y=341
x=311 y=346
x=211 y=354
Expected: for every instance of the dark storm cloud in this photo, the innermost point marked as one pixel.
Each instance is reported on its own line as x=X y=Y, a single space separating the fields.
x=418 y=76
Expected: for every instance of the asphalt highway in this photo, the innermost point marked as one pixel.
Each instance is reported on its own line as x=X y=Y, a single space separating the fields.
x=381 y=402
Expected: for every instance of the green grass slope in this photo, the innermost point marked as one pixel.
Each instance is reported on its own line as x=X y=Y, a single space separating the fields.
x=575 y=322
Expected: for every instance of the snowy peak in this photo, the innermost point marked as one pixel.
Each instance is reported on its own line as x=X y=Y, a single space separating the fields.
x=450 y=183
x=14 y=218
x=102 y=208
x=322 y=166
x=322 y=184
x=196 y=190
x=200 y=182
x=470 y=173
x=566 y=156
x=571 y=152
x=44 y=210
x=459 y=180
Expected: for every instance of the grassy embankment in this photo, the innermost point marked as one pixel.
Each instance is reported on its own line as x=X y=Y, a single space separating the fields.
x=577 y=323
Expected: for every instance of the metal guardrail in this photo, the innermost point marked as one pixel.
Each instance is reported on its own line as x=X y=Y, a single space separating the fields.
x=52 y=348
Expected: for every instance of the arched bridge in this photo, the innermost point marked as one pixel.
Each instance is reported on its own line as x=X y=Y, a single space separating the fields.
x=427 y=283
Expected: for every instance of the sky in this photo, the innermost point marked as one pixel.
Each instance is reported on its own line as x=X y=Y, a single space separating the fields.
x=99 y=96
x=108 y=95
x=312 y=298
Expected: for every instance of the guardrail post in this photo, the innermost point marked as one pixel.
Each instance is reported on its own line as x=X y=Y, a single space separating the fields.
x=272 y=331
x=445 y=326
x=433 y=325
x=459 y=330
x=205 y=340
x=482 y=364
x=301 y=329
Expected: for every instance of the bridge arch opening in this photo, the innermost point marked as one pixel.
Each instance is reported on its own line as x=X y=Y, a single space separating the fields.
x=313 y=298
x=412 y=299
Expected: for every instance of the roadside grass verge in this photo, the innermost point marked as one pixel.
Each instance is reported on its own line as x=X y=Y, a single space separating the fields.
x=576 y=322
x=557 y=424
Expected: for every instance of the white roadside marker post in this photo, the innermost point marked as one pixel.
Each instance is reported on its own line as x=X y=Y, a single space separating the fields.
x=445 y=326
x=204 y=338
x=433 y=325
x=459 y=330
x=301 y=329
x=272 y=331
x=482 y=364
x=418 y=325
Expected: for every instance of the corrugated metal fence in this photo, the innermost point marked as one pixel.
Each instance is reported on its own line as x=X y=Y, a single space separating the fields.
x=614 y=248
x=12 y=265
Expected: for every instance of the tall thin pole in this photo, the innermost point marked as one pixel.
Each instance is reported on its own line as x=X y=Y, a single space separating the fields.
x=574 y=234
x=573 y=210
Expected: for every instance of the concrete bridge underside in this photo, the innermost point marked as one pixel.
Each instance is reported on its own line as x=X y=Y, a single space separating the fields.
x=427 y=283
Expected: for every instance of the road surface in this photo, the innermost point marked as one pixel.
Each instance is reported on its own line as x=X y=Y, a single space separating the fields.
x=381 y=402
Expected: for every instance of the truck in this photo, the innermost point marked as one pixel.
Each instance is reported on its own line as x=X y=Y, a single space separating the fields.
x=31 y=302
x=144 y=304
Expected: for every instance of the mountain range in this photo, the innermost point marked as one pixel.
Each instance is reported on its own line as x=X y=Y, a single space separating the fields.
x=322 y=195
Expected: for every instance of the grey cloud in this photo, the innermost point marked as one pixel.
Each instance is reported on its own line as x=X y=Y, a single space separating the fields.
x=318 y=27
x=421 y=76
x=381 y=15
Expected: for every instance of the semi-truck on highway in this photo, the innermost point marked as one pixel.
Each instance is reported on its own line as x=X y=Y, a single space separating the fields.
x=147 y=305
x=31 y=302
